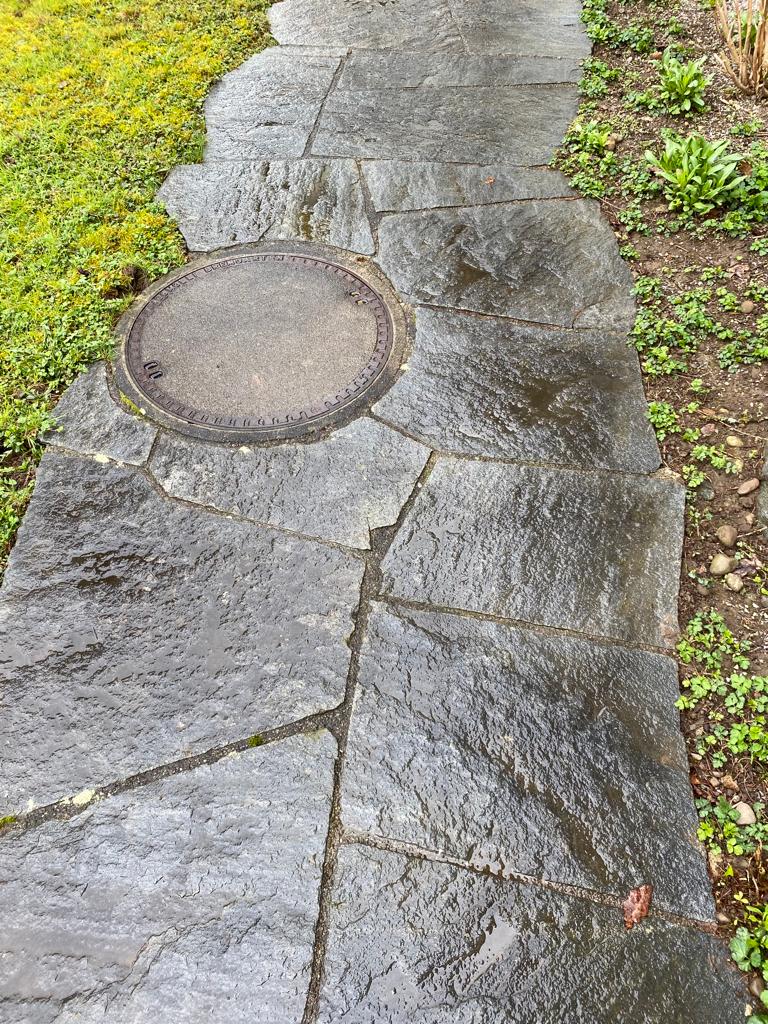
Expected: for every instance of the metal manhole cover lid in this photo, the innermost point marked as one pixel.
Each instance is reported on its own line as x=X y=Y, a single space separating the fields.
x=260 y=344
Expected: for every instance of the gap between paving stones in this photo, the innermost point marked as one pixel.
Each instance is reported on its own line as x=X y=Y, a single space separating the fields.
x=316 y=126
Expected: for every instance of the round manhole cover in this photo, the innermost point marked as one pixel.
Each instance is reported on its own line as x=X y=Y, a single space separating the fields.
x=262 y=344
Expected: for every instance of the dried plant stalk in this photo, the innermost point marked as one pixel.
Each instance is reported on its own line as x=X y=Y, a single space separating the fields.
x=745 y=30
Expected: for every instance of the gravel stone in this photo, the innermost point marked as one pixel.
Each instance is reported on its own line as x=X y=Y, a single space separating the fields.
x=722 y=564
x=727 y=535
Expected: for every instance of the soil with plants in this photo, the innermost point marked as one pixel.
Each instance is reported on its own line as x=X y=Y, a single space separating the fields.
x=677 y=156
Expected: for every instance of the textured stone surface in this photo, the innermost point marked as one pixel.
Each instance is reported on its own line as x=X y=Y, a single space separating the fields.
x=412 y=941
x=491 y=387
x=591 y=552
x=89 y=421
x=551 y=262
x=194 y=898
x=135 y=630
x=338 y=489
x=268 y=106
x=527 y=27
x=522 y=125
x=370 y=70
x=402 y=185
x=221 y=204
x=547 y=756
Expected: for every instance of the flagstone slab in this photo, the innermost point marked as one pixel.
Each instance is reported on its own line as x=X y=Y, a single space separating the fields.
x=338 y=489
x=411 y=940
x=398 y=185
x=522 y=125
x=226 y=203
x=484 y=386
x=527 y=27
x=553 y=262
x=366 y=69
x=193 y=898
x=547 y=756
x=268 y=106
x=89 y=421
x=593 y=552
x=135 y=630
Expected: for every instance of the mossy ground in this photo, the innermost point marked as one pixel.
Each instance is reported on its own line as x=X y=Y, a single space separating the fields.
x=98 y=100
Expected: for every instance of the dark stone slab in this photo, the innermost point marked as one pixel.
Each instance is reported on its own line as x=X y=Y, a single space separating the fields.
x=224 y=203
x=268 y=106
x=491 y=387
x=135 y=630
x=354 y=481
x=593 y=552
x=401 y=185
x=522 y=125
x=367 y=24
x=551 y=262
x=89 y=421
x=527 y=27
x=547 y=756
x=193 y=898
x=370 y=70
x=412 y=941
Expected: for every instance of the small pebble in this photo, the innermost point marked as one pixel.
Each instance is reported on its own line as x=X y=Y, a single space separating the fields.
x=708 y=429
x=727 y=535
x=734 y=582
x=749 y=518
x=729 y=782
x=722 y=411
x=748 y=486
x=756 y=986
x=722 y=918
x=734 y=442
x=722 y=564
x=747 y=306
x=746 y=814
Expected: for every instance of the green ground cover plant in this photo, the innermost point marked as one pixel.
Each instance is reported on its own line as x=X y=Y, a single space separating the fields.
x=98 y=100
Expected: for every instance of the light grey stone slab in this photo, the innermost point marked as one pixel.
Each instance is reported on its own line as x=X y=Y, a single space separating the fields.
x=482 y=386
x=526 y=27
x=414 y=941
x=338 y=489
x=367 y=24
x=224 y=203
x=593 y=552
x=135 y=630
x=397 y=185
x=552 y=262
x=193 y=898
x=268 y=106
x=547 y=756
x=523 y=125
x=89 y=421
x=370 y=70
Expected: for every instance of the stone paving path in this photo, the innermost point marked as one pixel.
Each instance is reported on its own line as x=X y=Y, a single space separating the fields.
x=379 y=728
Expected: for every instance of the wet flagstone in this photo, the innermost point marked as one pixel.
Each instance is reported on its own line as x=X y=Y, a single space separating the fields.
x=553 y=29
x=135 y=630
x=368 y=69
x=194 y=898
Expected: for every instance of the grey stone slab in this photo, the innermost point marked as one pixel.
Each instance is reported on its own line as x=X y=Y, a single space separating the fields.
x=135 y=630
x=522 y=125
x=483 y=386
x=547 y=756
x=367 y=24
x=397 y=185
x=593 y=552
x=553 y=262
x=526 y=27
x=193 y=898
x=414 y=941
x=268 y=106
x=221 y=204
x=338 y=489
x=370 y=70
x=89 y=421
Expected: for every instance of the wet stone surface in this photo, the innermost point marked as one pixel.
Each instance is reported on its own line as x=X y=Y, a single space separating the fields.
x=548 y=262
x=338 y=489
x=417 y=941
x=194 y=898
x=483 y=386
x=371 y=70
x=588 y=552
x=225 y=203
x=547 y=756
x=529 y=27
x=135 y=631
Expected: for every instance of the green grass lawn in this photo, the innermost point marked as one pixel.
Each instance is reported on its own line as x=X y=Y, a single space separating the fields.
x=98 y=100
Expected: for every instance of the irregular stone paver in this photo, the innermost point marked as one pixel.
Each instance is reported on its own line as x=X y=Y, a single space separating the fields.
x=397 y=185
x=581 y=551
x=245 y=201
x=417 y=941
x=549 y=262
x=546 y=756
x=339 y=489
x=89 y=421
x=528 y=27
x=372 y=70
x=135 y=630
x=194 y=898
x=484 y=386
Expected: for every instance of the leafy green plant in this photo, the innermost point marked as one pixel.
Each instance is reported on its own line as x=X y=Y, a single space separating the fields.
x=698 y=175
x=664 y=419
x=682 y=86
x=749 y=946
